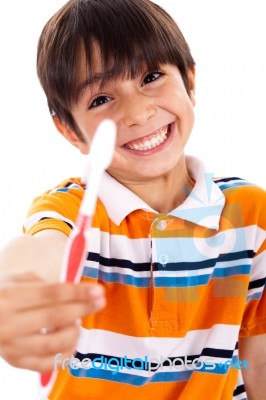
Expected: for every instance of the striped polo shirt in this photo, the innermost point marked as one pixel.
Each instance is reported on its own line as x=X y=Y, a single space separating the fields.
x=180 y=287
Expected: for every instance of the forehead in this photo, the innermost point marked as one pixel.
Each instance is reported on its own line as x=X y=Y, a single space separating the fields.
x=95 y=73
x=100 y=70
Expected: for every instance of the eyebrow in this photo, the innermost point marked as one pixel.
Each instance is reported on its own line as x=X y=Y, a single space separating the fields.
x=100 y=77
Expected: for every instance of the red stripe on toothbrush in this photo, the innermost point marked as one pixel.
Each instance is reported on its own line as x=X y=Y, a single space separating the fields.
x=77 y=248
x=75 y=257
x=45 y=378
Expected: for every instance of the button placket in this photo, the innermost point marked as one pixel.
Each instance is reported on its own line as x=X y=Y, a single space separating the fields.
x=159 y=263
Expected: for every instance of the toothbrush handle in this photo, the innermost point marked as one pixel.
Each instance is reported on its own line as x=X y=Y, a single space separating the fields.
x=77 y=249
x=72 y=272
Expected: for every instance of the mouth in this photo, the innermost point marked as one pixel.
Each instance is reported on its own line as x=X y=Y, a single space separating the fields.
x=149 y=142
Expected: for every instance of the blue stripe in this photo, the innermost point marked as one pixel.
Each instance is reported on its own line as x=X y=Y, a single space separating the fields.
x=220 y=369
x=255 y=296
x=66 y=188
x=116 y=277
x=90 y=272
x=130 y=379
x=62 y=190
x=187 y=281
x=235 y=184
x=136 y=380
x=231 y=271
x=165 y=280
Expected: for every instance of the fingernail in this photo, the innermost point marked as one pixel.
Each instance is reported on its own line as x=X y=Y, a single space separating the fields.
x=99 y=303
x=95 y=291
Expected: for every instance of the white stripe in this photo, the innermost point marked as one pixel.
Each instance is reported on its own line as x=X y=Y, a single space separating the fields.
x=255 y=236
x=241 y=396
x=119 y=270
x=233 y=263
x=139 y=250
x=35 y=218
x=258 y=270
x=220 y=336
x=113 y=246
x=253 y=292
x=249 y=237
x=183 y=274
x=173 y=366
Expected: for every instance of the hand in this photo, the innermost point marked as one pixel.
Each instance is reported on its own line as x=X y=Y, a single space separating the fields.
x=40 y=319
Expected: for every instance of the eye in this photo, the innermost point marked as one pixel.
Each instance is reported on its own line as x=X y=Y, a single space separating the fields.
x=151 y=77
x=99 y=101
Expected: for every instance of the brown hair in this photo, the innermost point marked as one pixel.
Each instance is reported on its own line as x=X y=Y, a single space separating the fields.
x=129 y=33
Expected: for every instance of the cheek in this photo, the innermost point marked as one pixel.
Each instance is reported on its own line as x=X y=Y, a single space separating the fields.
x=84 y=148
x=175 y=100
x=184 y=106
x=88 y=128
x=119 y=160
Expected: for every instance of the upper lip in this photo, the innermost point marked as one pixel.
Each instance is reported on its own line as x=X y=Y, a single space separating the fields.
x=147 y=135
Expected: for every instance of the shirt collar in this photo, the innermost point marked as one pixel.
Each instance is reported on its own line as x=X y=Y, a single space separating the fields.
x=203 y=206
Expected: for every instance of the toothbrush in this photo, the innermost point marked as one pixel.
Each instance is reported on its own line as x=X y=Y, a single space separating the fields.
x=99 y=159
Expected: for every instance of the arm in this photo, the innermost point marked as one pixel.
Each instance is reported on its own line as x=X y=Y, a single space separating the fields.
x=253 y=350
x=30 y=299
x=41 y=254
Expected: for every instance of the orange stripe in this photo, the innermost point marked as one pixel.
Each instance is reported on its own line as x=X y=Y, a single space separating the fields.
x=202 y=385
x=170 y=317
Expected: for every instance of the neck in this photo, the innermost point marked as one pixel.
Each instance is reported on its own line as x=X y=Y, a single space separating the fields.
x=167 y=192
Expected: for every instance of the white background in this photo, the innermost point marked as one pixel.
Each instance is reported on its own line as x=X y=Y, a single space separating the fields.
x=227 y=39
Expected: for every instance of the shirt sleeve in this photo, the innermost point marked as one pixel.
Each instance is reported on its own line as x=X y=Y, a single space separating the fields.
x=254 y=319
x=56 y=209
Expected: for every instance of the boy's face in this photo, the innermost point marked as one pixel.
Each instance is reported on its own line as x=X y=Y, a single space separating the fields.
x=154 y=117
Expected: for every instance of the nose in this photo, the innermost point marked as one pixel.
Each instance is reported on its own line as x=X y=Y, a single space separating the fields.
x=137 y=108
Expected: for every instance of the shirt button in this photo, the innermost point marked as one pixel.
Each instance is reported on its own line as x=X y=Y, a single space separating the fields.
x=161 y=226
x=163 y=259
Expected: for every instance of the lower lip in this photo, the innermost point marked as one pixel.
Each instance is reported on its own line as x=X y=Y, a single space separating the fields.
x=156 y=149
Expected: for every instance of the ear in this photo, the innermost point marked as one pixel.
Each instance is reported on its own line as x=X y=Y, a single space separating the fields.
x=70 y=135
x=191 y=81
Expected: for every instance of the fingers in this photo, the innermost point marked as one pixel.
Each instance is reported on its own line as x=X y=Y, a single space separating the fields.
x=67 y=304
x=7 y=279
x=29 y=306
x=42 y=348
x=40 y=294
x=40 y=364
x=55 y=316
x=37 y=352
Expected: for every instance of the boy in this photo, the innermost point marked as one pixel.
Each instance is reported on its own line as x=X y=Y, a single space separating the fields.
x=173 y=281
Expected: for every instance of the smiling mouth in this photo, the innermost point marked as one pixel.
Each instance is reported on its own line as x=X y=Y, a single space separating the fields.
x=151 y=141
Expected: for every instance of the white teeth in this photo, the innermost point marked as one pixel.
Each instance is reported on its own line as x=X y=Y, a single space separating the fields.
x=151 y=143
x=147 y=143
